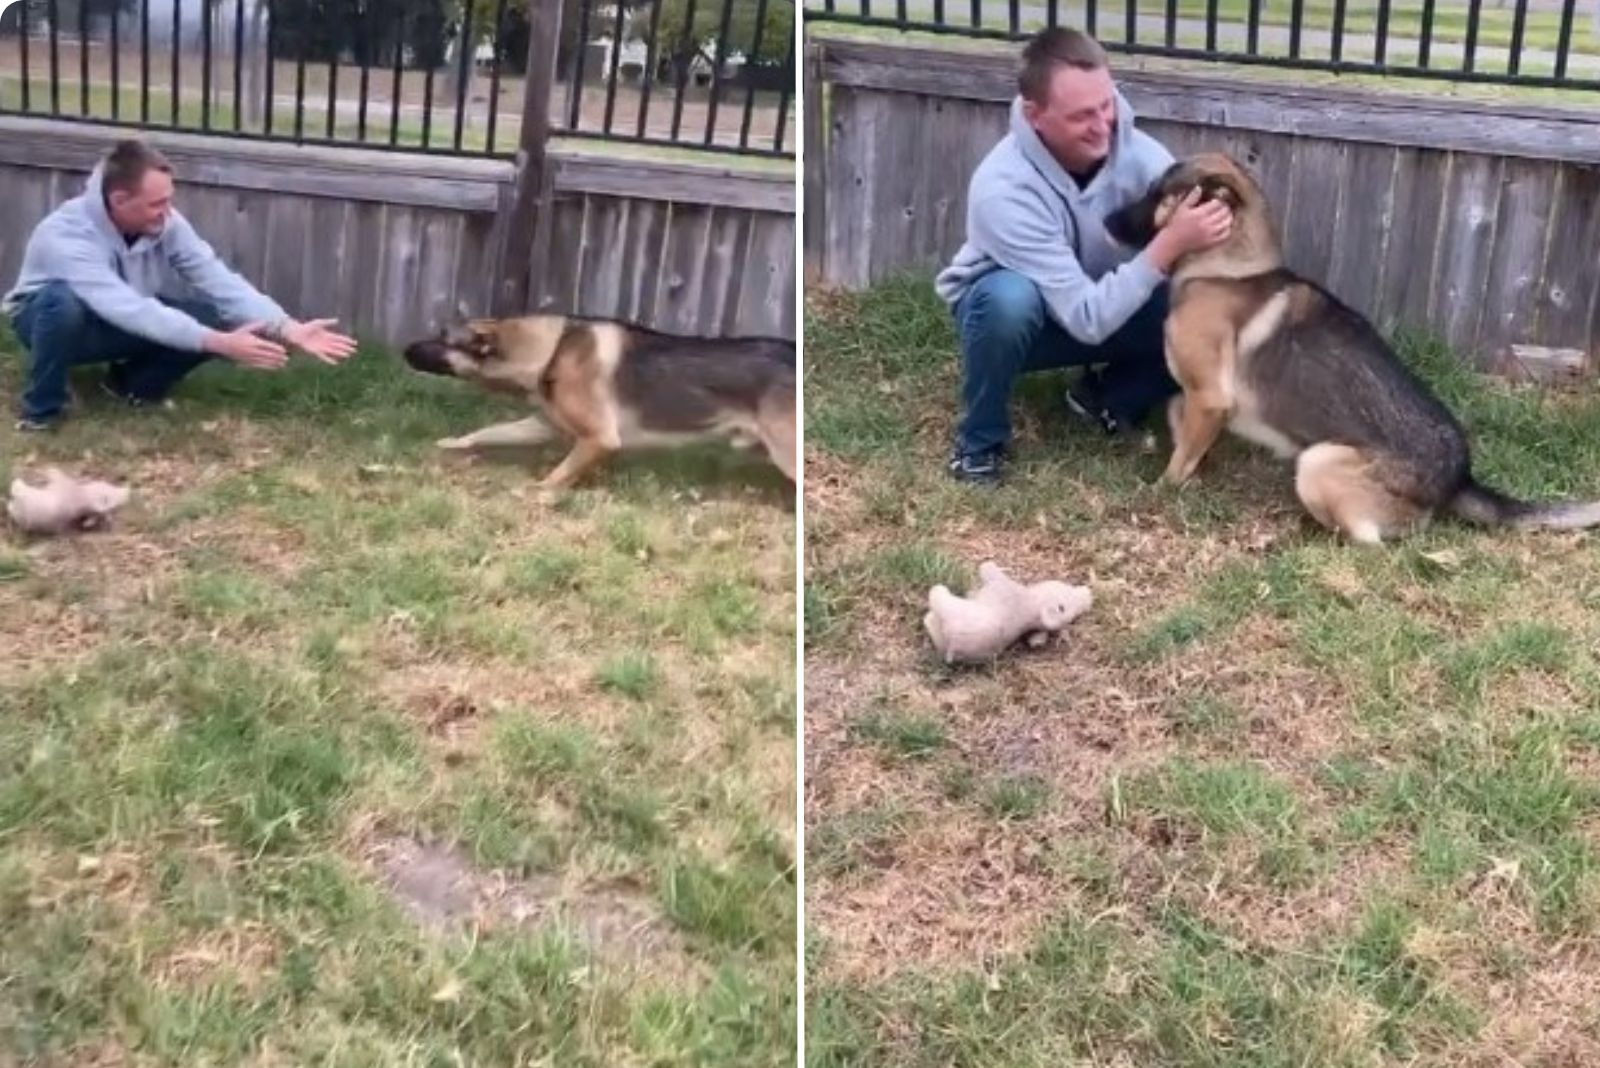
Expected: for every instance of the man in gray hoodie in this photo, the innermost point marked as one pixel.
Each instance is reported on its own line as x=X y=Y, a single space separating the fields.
x=1039 y=284
x=95 y=284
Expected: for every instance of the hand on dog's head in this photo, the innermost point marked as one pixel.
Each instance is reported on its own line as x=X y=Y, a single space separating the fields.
x=1213 y=176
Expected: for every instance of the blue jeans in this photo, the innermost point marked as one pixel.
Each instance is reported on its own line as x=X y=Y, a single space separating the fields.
x=60 y=332
x=1006 y=331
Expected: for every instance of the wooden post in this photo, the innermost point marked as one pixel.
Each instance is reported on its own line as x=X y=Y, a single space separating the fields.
x=530 y=198
x=815 y=237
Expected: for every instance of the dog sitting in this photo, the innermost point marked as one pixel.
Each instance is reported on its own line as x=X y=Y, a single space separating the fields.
x=1281 y=362
x=610 y=387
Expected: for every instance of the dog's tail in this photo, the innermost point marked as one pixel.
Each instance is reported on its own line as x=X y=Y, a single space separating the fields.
x=1487 y=507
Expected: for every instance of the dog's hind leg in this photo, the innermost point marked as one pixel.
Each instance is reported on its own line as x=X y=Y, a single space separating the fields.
x=776 y=427
x=530 y=431
x=1354 y=492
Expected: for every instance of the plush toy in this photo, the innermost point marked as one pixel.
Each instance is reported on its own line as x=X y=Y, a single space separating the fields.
x=63 y=503
x=999 y=611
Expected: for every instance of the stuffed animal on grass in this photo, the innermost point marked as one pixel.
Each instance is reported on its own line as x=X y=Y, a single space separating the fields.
x=63 y=503
x=998 y=612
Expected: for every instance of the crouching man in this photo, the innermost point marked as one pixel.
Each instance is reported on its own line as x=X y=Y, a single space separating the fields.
x=93 y=289
x=1039 y=284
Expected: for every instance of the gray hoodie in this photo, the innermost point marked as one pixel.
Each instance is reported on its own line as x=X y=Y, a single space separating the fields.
x=77 y=244
x=1025 y=213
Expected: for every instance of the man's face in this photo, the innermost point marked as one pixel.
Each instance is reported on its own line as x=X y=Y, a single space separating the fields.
x=1076 y=123
x=145 y=210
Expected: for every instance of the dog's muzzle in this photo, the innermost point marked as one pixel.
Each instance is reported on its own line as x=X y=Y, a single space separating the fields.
x=431 y=357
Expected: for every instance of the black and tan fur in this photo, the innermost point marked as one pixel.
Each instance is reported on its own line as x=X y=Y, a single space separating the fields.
x=609 y=387
x=1280 y=361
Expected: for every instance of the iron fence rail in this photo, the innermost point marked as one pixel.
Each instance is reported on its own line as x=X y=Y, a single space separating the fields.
x=409 y=75
x=1537 y=43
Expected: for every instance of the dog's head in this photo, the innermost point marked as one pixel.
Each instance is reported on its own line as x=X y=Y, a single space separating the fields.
x=462 y=348
x=1216 y=176
x=504 y=355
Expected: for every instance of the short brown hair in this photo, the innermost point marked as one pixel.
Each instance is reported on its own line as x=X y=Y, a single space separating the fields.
x=1050 y=50
x=127 y=163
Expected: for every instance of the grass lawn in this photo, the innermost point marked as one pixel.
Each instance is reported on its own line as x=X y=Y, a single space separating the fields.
x=337 y=752
x=1275 y=800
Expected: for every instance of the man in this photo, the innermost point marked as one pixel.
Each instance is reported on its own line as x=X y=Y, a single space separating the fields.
x=1039 y=284
x=94 y=284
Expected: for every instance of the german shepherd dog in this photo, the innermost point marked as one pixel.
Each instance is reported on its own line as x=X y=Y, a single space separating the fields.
x=1281 y=362
x=609 y=387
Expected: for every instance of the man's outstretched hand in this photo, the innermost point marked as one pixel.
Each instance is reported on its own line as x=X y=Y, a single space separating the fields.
x=315 y=338
x=245 y=346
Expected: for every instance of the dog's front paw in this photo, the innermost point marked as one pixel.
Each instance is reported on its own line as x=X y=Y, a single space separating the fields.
x=549 y=496
x=453 y=444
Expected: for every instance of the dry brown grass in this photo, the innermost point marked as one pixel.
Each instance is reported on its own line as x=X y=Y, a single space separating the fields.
x=1318 y=804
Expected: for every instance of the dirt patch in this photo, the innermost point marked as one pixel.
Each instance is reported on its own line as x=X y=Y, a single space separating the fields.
x=444 y=892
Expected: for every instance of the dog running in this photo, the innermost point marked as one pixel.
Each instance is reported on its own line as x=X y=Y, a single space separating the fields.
x=610 y=387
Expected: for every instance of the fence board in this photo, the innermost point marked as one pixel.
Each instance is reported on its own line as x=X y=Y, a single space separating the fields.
x=1466 y=245
x=816 y=160
x=556 y=285
x=605 y=229
x=1410 y=261
x=678 y=297
x=1317 y=174
x=852 y=166
x=898 y=191
x=1516 y=268
x=366 y=293
x=766 y=299
x=322 y=257
x=1361 y=238
x=436 y=271
x=729 y=238
x=288 y=225
x=648 y=245
x=1572 y=273
x=398 y=266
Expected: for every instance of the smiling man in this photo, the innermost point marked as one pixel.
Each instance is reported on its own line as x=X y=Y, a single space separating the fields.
x=95 y=288
x=1039 y=284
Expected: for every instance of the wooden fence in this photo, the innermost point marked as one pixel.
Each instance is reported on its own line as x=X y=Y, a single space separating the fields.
x=1479 y=222
x=391 y=242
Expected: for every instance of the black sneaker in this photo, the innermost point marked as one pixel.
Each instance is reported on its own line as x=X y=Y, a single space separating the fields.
x=109 y=387
x=1083 y=400
x=29 y=425
x=981 y=468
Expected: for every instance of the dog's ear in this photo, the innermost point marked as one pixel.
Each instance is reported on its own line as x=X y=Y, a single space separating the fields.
x=483 y=338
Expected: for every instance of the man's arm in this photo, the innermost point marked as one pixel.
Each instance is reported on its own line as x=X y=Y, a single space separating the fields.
x=85 y=270
x=236 y=299
x=1019 y=233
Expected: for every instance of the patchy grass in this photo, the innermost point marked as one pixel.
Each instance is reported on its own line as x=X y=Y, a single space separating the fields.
x=334 y=752
x=1275 y=800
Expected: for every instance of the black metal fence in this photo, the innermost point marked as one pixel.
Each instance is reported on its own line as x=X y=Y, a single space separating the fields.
x=445 y=76
x=1546 y=43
